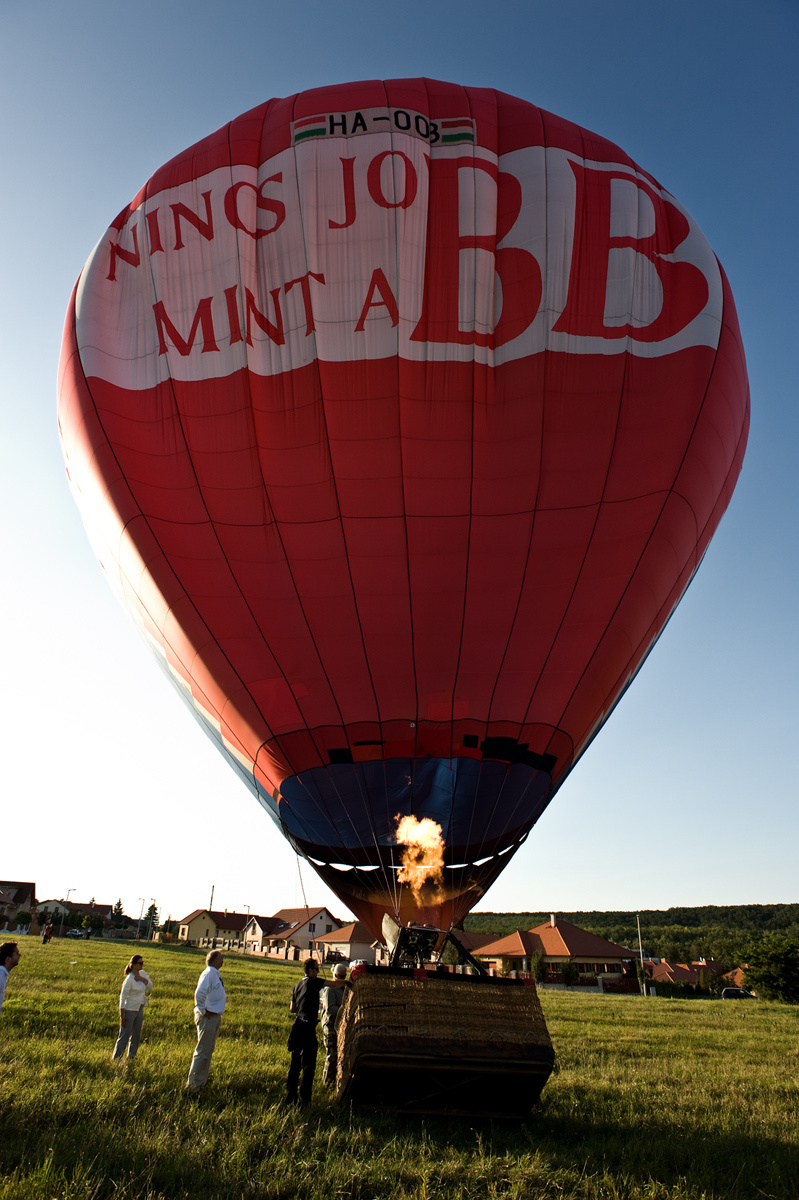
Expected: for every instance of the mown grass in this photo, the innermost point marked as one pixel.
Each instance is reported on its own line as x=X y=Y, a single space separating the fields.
x=653 y=1099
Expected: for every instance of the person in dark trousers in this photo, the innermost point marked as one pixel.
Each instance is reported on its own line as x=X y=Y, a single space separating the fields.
x=302 y=1039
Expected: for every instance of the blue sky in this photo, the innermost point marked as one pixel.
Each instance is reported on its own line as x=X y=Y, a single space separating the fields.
x=689 y=795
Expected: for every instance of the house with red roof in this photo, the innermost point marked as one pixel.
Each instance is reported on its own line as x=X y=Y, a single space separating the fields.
x=205 y=923
x=693 y=973
x=59 y=912
x=287 y=930
x=560 y=942
x=351 y=943
x=669 y=972
x=258 y=931
x=736 y=975
x=15 y=897
x=472 y=941
x=301 y=928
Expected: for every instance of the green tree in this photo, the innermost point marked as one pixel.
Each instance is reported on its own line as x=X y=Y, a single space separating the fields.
x=569 y=973
x=773 y=969
x=726 y=947
x=151 y=917
x=716 y=983
x=538 y=967
x=118 y=914
x=23 y=919
x=678 y=934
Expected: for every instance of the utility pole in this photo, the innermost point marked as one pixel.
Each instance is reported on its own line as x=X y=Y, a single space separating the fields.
x=211 y=904
x=152 y=914
x=63 y=915
x=141 y=914
x=641 y=953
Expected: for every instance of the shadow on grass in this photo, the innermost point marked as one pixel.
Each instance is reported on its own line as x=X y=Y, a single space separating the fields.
x=237 y=1140
x=637 y=1155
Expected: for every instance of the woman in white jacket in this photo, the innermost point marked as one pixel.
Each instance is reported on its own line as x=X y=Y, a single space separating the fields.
x=133 y=999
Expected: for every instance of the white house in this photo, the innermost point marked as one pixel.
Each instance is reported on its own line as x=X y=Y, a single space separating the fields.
x=211 y=923
x=302 y=927
x=258 y=932
x=350 y=943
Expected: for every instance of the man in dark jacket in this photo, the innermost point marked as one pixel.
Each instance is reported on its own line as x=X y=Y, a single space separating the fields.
x=302 y=1039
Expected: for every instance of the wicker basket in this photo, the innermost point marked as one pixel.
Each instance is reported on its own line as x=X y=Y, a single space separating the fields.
x=443 y=1044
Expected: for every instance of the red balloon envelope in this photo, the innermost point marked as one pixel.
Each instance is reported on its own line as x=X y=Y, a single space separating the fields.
x=402 y=414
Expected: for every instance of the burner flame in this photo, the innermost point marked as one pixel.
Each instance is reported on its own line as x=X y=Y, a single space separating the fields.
x=422 y=858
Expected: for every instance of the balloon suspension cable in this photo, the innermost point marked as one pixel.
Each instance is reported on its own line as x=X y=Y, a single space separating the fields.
x=302 y=889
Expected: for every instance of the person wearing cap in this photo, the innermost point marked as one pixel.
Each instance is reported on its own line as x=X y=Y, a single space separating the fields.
x=332 y=1002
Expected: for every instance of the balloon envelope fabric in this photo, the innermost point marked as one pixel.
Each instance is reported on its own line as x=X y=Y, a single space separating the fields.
x=401 y=415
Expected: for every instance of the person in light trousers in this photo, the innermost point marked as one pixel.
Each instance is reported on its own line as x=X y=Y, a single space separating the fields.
x=209 y=1004
x=133 y=999
x=332 y=1002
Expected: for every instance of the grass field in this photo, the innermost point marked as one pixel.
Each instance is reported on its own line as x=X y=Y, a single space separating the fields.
x=650 y=1098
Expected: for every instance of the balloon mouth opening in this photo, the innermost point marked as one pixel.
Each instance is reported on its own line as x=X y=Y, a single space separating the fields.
x=444 y=900
x=344 y=867
x=442 y=896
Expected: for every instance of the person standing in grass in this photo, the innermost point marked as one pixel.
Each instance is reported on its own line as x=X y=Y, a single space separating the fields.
x=302 y=1040
x=9 y=957
x=210 y=999
x=133 y=999
x=332 y=1001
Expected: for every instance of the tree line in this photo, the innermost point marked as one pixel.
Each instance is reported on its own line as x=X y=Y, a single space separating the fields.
x=725 y=933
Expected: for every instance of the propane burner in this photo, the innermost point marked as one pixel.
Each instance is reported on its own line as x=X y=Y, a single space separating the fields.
x=414 y=945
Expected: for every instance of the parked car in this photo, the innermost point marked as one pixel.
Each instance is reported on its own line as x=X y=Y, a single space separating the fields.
x=74 y=933
x=736 y=993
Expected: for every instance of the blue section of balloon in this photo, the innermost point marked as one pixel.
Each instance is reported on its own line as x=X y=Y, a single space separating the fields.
x=343 y=809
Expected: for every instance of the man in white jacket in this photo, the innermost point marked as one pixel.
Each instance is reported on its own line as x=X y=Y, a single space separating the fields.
x=209 y=1004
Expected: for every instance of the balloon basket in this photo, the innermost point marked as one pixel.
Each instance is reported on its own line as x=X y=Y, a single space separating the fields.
x=433 y=1042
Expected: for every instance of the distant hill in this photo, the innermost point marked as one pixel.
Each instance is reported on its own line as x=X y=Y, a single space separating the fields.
x=681 y=934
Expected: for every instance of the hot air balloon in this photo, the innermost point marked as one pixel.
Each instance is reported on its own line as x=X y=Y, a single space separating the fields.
x=401 y=415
